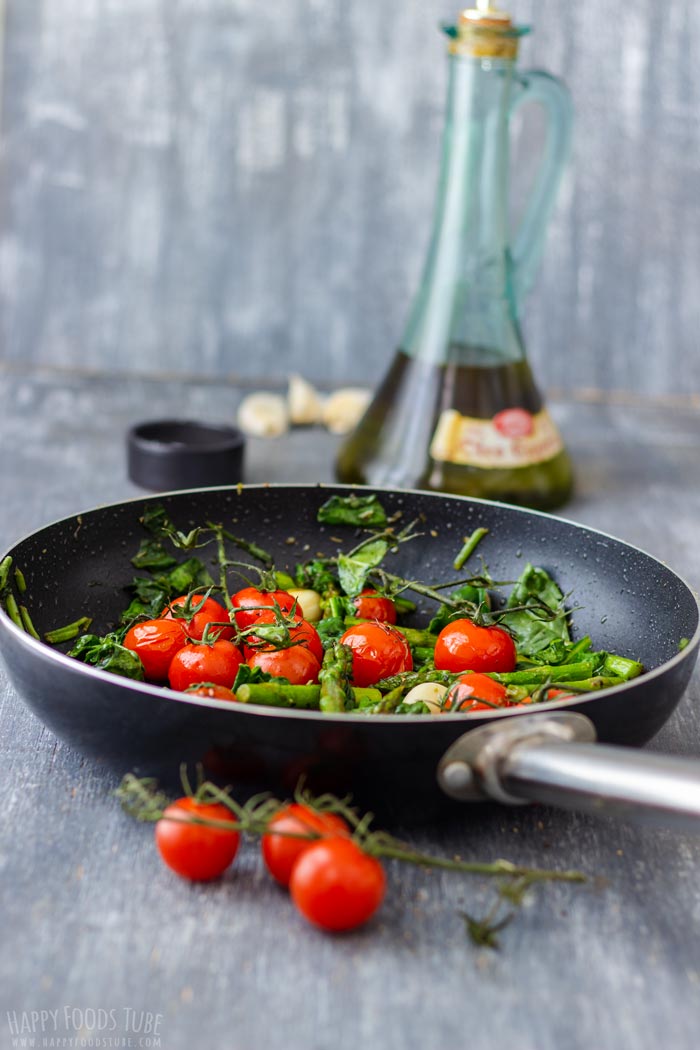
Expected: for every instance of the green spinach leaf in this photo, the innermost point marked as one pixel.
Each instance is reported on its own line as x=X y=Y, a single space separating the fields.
x=543 y=621
x=354 y=568
x=362 y=511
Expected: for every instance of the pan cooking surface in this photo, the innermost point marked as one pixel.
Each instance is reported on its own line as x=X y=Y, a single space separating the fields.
x=626 y=600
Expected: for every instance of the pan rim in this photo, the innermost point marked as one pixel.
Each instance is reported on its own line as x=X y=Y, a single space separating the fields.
x=344 y=718
x=45 y=651
x=240 y=487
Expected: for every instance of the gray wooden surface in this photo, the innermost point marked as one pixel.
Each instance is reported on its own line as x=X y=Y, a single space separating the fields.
x=90 y=919
x=246 y=188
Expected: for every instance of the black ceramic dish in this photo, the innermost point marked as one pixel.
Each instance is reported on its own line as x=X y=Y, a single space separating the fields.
x=629 y=602
x=178 y=453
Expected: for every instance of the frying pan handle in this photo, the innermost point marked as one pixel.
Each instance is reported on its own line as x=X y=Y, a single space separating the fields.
x=553 y=759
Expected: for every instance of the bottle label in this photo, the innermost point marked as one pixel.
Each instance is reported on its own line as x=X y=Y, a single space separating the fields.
x=512 y=438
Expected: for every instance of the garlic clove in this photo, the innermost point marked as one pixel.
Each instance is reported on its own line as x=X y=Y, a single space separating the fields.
x=344 y=409
x=304 y=402
x=263 y=415
x=430 y=693
x=308 y=603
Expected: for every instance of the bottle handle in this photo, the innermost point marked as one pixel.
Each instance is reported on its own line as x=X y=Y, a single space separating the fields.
x=527 y=244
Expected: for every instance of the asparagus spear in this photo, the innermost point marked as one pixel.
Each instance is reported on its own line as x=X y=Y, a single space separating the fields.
x=336 y=694
x=280 y=694
x=554 y=672
x=5 y=566
x=578 y=650
x=591 y=685
x=388 y=703
x=410 y=678
x=621 y=667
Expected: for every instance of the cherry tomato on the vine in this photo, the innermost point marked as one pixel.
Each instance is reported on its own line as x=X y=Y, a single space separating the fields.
x=207 y=611
x=212 y=692
x=156 y=642
x=248 y=602
x=467 y=692
x=296 y=663
x=281 y=850
x=465 y=646
x=217 y=663
x=301 y=633
x=196 y=851
x=372 y=606
x=378 y=651
x=337 y=886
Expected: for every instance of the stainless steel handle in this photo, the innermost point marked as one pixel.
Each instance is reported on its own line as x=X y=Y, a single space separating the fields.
x=552 y=759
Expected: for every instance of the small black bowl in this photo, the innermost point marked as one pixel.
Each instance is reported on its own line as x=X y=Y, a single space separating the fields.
x=181 y=454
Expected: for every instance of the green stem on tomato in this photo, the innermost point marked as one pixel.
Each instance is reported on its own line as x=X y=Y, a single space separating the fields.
x=223 y=562
x=140 y=798
x=245 y=545
x=434 y=592
x=379 y=845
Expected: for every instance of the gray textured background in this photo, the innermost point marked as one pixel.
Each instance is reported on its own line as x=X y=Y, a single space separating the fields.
x=243 y=188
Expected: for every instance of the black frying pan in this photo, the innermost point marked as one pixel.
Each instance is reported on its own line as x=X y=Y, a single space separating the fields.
x=631 y=604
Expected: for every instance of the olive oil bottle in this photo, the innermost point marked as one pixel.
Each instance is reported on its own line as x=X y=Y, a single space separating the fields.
x=458 y=411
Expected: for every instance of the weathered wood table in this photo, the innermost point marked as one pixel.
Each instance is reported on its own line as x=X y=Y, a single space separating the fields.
x=109 y=949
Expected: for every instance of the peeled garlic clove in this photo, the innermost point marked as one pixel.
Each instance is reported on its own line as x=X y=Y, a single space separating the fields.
x=429 y=693
x=308 y=603
x=263 y=415
x=344 y=409
x=305 y=403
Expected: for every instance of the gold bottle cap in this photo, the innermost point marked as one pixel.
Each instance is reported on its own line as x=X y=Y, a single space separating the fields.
x=485 y=32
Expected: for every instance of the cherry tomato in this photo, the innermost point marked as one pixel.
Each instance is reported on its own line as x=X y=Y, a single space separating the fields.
x=552 y=694
x=295 y=663
x=468 y=690
x=372 y=606
x=207 y=611
x=301 y=633
x=156 y=642
x=559 y=694
x=281 y=851
x=335 y=885
x=378 y=651
x=464 y=646
x=217 y=663
x=196 y=851
x=248 y=601
x=212 y=692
